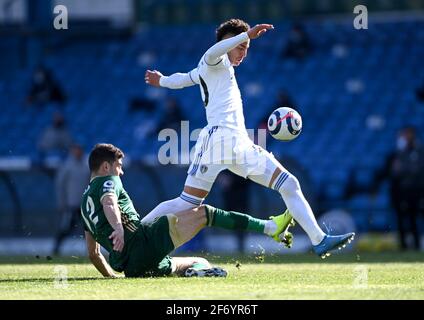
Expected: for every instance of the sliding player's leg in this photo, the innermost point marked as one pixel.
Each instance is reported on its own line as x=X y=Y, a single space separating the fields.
x=184 y=225
x=155 y=240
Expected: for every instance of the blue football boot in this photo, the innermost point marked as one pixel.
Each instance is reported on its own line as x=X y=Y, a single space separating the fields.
x=332 y=242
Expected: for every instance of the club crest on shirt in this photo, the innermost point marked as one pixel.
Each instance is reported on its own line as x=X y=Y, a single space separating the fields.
x=203 y=168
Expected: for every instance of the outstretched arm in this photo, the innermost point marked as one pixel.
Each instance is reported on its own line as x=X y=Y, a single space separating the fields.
x=96 y=257
x=174 y=81
x=213 y=55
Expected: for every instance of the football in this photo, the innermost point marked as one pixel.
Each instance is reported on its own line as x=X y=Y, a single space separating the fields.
x=285 y=124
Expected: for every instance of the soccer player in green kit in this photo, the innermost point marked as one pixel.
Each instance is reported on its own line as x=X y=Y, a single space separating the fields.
x=141 y=249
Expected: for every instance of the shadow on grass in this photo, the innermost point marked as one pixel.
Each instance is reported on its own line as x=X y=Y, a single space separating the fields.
x=43 y=260
x=51 y=279
x=358 y=257
x=254 y=258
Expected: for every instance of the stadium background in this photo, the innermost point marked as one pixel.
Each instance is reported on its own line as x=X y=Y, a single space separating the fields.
x=355 y=91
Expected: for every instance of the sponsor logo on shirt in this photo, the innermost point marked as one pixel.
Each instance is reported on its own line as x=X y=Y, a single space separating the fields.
x=108 y=186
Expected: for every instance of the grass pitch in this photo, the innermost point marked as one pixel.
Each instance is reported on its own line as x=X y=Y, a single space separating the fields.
x=350 y=276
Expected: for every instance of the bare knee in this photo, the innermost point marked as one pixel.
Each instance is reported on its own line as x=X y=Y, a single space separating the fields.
x=207 y=213
x=191 y=220
x=199 y=214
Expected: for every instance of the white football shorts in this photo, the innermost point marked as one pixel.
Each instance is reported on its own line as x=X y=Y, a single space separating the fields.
x=219 y=148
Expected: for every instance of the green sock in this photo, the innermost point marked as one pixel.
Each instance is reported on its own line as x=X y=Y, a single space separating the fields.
x=232 y=220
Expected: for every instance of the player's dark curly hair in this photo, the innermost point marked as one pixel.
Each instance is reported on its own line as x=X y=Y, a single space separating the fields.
x=103 y=152
x=232 y=26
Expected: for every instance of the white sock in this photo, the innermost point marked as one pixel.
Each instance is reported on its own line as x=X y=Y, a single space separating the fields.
x=183 y=202
x=299 y=208
x=270 y=227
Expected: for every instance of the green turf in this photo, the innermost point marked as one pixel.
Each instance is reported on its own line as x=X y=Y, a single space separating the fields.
x=353 y=276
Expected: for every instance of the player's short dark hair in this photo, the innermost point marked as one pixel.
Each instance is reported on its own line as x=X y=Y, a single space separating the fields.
x=232 y=26
x=103 y=152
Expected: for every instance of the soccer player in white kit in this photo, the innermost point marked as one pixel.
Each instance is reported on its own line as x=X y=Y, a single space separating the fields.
x=224 y=142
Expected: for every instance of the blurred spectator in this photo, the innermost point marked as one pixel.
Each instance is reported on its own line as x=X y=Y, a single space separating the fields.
x=147 y=122
x=55 y=139
x=298 y=43
x=171 y=117
x=142 y=104
x=71 y=180
x=404 y=168
x=235 y=193
x=44 y=89
x=420 y=92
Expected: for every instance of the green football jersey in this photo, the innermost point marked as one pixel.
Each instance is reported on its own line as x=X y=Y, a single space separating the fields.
x=95 y=220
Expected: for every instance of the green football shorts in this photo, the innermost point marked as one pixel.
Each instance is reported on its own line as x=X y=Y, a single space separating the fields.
x=148 y=252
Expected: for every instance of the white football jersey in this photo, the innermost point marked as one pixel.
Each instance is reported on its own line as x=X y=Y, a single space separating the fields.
x=220 y=93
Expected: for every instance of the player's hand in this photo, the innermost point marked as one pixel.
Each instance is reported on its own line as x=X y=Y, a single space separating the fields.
x=117 y=237
x=152 y=77
x=259 y=30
